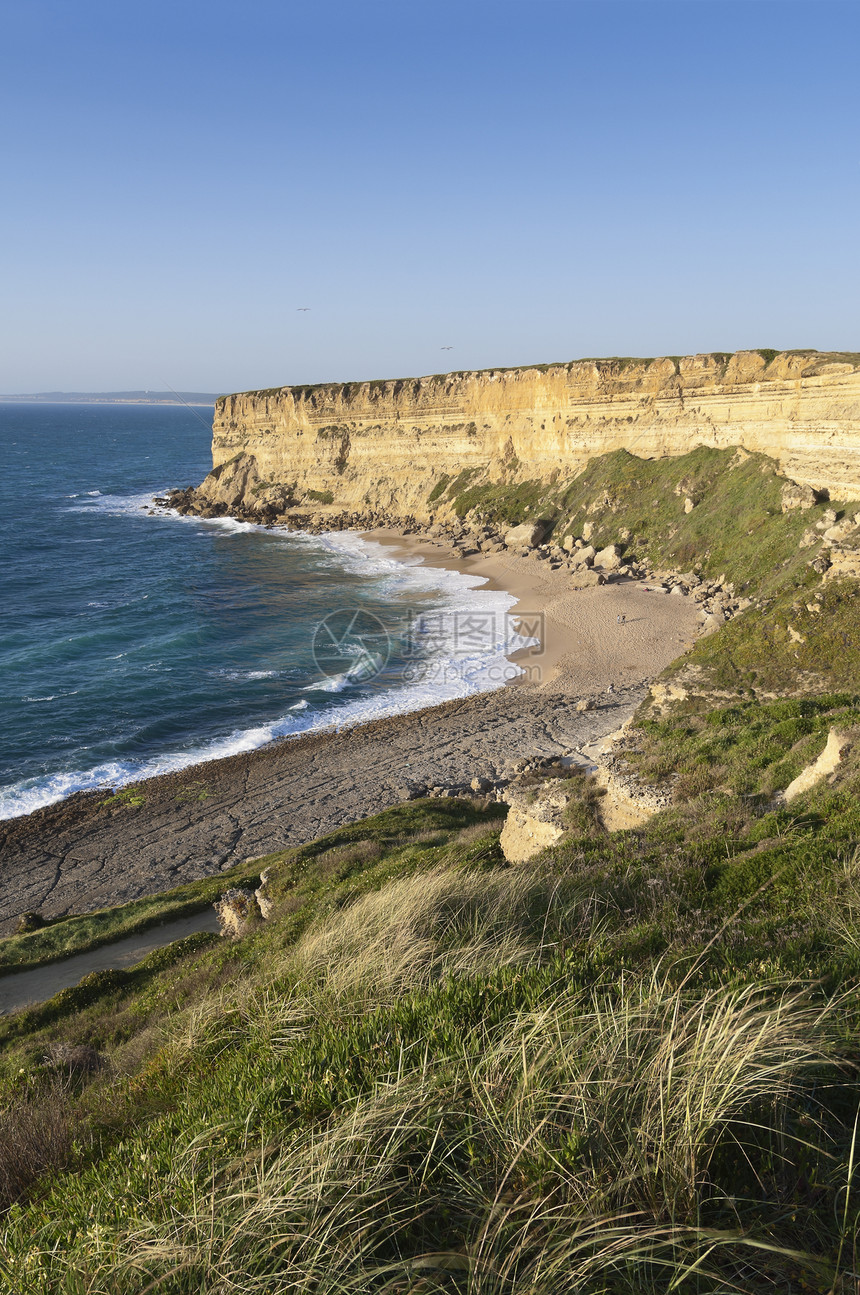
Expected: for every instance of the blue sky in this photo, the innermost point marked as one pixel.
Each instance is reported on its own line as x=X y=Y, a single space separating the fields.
x=521 y=181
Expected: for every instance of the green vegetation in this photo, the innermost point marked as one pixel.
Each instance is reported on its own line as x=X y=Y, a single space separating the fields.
x=320 y=496
x=736 y=531
x=758 y=650
x=736 y=528
x=439 y=489
x=132 y=796
x=628 y=1066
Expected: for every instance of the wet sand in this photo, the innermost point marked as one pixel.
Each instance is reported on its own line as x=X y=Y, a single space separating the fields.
x=81 y=854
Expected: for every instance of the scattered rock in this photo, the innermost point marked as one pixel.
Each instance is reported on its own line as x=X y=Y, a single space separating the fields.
x=535 y=819
x=527 y=535
x=586 y=578
x=583 y=556
x=237 y=912
x=796 y=496
x=609 y=558
x=841 y=562
x=265 y=903
x=664 y=695
x=712 y=623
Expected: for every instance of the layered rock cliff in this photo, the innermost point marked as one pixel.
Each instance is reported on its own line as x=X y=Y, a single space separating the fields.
x=385 y=445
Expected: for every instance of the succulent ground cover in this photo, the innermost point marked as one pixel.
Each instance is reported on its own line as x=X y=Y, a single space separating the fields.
x=629 y=1065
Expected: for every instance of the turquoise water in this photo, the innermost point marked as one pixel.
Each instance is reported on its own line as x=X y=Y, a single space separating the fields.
x=134 y=644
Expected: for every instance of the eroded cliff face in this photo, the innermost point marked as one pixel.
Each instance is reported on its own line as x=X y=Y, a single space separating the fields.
x=385 y=445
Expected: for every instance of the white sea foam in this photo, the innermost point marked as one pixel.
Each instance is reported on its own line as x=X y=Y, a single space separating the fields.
x=447 y=664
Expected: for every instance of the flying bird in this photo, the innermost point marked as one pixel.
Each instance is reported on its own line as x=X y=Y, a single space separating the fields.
x=299 y=308
x=446 y=348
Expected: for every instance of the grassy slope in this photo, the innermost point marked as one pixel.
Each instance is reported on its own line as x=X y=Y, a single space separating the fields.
x=422 y=1035
x=628 y=1066
x=64 y=936
x=736 y=531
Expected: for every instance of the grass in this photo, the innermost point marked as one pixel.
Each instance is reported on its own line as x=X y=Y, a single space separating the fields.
x=736 y=532
x=737 y=528
x=758 y=651
x=628 y=1066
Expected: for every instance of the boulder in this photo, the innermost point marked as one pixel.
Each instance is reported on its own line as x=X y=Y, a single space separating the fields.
x=527 y=535
x=583 y=557
x=838 y=744
x=609 y=558
x=586 y=578
x=841 y=530
x=536 y=819
x=795 y=496
x=232 y=483
x=237 y=911
x=843 y=562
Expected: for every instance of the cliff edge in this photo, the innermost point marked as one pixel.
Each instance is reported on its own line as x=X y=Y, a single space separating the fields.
x=385 y=446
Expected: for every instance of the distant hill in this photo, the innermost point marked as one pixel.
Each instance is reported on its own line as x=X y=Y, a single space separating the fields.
x=117 y=398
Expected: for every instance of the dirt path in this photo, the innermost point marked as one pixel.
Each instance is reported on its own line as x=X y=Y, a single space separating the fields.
x=23 y=988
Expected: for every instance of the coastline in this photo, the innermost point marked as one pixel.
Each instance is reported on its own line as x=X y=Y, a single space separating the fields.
x=85 y=852
x=584 y=645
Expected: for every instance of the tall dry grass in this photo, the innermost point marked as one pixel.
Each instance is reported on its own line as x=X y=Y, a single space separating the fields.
x=574 y=1156
x=37 y=1131
x=577 y=1153
x=422 y=929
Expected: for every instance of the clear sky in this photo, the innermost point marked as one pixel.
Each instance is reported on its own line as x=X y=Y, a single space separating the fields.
x=519 y=180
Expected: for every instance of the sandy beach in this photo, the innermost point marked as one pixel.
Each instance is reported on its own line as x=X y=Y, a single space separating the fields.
x=615 y=635
x=604 y=643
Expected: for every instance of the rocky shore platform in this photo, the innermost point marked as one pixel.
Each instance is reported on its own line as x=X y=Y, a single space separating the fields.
x=95 y=850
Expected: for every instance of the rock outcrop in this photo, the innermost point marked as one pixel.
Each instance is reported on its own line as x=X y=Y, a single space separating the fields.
x=838 y=744
x=535 y=819
x=387 y=446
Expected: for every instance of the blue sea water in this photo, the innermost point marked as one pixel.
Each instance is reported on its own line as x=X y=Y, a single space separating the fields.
x=134 y=644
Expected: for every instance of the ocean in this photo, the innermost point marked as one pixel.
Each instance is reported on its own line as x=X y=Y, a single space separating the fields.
x=135 y=644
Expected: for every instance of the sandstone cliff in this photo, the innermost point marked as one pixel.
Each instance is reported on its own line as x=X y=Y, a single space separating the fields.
x=385 y=445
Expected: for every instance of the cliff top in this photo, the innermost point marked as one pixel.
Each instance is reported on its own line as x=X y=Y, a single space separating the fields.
x=760 y=364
